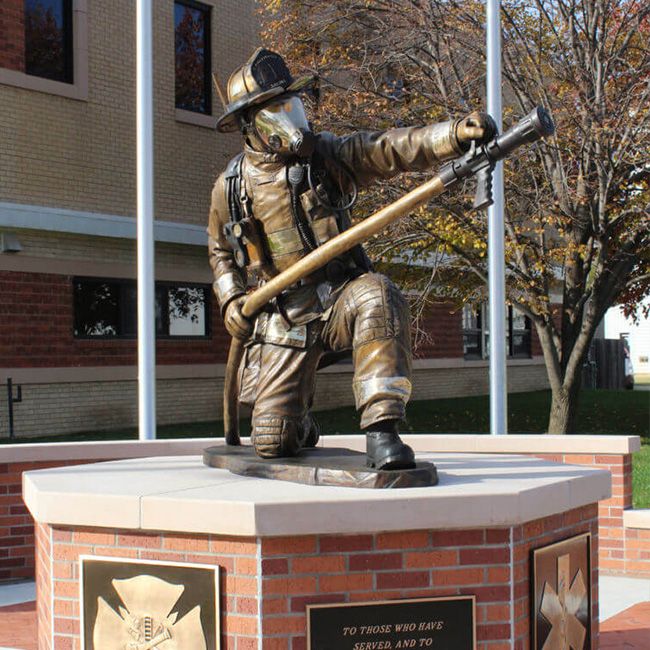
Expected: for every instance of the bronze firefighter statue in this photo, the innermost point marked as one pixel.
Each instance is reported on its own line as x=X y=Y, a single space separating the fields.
x=286 y=195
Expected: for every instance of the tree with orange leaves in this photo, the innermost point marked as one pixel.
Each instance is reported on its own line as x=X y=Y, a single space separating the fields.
x=578 y=205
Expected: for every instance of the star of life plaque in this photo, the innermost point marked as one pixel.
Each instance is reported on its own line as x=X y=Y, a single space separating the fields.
x=145 y=605
x=561 y=600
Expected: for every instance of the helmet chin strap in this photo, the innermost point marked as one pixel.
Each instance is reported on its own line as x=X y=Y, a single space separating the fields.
x=252 y=138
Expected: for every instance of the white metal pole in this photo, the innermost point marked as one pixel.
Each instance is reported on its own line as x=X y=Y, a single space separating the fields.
x=146 y=288
x=496 y=237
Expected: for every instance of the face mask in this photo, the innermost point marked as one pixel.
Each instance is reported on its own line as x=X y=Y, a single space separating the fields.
x=283 y=127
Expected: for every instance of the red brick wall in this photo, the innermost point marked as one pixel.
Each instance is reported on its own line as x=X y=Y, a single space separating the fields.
x=12 y=34
x=43 y=587
x=622 y=550
x=412 y=564
x=236 y=557
x=535 y=345
x=442 y=333
x=37 y=321
x=636 y=551
x=16 y=523
x=296 y=571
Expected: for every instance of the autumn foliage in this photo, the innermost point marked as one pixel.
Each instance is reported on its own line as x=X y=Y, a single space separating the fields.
x=578 y=205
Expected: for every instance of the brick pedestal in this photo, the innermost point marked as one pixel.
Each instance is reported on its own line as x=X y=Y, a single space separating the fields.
x=267 y=582
x=281 y=546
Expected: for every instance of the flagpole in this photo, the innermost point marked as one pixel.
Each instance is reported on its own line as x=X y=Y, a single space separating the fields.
x=145 y=218
x=496 y=238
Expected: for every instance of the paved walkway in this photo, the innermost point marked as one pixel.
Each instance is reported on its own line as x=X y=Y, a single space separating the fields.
x=626 y=630
x=629 y=630
x=18 y=627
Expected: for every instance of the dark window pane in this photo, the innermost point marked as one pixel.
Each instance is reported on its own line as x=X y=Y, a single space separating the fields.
x=161 y=320
x=520 y=327
x=110 y=308
x=521 y=343
x=472 y=333
x=96 y=308
x=128 y=309
x=192 y=43
x=48 y=39
x=472 y=344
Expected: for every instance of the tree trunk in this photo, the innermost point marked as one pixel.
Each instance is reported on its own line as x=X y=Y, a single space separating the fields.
x=564 y=409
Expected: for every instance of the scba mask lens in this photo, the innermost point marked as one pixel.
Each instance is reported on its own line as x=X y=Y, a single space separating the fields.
x=282 y=126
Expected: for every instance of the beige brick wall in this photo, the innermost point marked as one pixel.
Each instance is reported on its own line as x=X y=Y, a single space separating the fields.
x=334 y=390
x=442 y=383
x=50 y=409
x=80 y=155
x=106 y=250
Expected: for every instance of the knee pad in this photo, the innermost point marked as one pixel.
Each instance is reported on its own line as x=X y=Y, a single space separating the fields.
x=381 y=309
x=275 y=436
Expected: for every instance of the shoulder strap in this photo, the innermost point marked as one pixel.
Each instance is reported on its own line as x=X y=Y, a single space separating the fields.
x=232 y=169
x=234 y=185
x=233 y=182
x=233 y=177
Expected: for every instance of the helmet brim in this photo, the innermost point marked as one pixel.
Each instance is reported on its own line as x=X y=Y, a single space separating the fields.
x=229 y=122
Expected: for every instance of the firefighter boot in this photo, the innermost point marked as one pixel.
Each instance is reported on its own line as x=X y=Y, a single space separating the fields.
x=384 y=448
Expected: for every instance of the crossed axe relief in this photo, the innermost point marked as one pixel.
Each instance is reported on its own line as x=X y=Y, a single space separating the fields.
x=147 y=621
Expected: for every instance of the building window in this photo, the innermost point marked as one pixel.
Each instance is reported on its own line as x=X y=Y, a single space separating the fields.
x=192 y=46
x=181 y=310
x=519 y=344
x=107 y=308
x=472 y=333
x=476 y=334
x=48 y=39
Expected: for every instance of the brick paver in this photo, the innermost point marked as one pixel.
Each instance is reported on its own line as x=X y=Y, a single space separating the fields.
x=629 y=630
x=18 y=626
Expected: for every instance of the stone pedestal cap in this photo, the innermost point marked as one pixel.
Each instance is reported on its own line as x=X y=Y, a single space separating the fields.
x=180 y=494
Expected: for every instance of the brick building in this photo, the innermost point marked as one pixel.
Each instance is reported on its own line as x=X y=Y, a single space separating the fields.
x=67 y=228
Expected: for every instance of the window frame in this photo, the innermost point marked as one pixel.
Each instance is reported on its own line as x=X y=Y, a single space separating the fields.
x=511 y=332
x=475 y=331
x=128 y=282
x=78 y=89
x=208 y=117
x=483 y=334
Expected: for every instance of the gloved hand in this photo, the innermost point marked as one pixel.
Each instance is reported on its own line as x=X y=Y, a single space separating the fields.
x=476 y=126
x=238 y=326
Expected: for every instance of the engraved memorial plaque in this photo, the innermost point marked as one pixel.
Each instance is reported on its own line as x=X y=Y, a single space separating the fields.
x=436 y=623
x=561 y=600
x=142 y=605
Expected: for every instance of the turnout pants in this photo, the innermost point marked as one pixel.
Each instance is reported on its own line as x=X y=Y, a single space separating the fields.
x=370 y=317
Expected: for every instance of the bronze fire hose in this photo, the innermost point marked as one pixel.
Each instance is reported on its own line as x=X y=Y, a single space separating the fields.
x=479 y=161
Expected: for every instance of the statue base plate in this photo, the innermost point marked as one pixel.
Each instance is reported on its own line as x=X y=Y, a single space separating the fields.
x=332 y=466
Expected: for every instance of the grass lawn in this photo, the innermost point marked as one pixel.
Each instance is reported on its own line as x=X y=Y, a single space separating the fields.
x=641 y=477
x=600 y=412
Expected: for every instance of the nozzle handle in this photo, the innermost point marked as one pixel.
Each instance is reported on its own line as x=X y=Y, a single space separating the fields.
x=483 y=196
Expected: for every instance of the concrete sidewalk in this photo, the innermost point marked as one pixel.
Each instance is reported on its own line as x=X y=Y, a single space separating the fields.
x=624 y=607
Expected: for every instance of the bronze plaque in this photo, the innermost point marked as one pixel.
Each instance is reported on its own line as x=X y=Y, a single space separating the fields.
x=561 y=600
x=142 y=605
x=436 y=623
